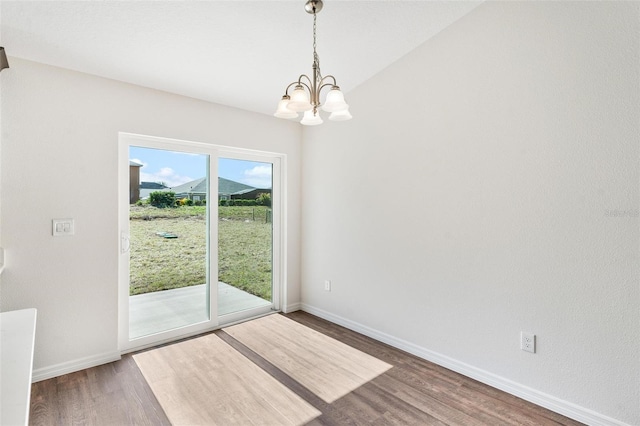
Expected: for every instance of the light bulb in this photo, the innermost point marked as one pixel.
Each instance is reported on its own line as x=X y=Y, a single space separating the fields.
x=283 y=111
x=311 y=119
x=299 y=100
x=342 y=115
x=335 y=100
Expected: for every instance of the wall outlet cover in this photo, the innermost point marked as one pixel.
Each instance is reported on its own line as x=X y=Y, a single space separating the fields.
x=528 y=342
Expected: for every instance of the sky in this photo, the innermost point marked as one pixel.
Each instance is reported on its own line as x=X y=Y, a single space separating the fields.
x=175 y=168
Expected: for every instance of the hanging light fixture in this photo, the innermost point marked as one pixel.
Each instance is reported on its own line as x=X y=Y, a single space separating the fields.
x=4 y=63
x=305 y=96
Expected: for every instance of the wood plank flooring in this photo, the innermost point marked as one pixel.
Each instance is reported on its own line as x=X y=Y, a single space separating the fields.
x=413 y=392
x=204 y=381
x=110 y=394
x=327 y=367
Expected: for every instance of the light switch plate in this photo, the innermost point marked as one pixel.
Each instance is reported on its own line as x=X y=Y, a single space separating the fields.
x=63 y=227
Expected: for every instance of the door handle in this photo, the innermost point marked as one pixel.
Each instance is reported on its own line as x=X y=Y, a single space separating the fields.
x=125 y=243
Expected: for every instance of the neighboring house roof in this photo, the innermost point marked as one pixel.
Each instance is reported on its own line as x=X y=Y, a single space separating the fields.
x=147 y=188
x=199 y=186
x=151 y=185
x=229 y=187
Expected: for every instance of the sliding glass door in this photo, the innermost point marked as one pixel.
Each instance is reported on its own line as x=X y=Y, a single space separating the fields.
x=199 y=237
x=245 y=236
x=168 y=229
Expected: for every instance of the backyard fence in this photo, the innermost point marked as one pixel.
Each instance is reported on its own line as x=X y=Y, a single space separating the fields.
x=253 y=214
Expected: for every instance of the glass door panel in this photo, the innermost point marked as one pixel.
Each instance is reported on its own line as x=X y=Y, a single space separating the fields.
x=200 y=237
x=245 y=236
x=168 y=232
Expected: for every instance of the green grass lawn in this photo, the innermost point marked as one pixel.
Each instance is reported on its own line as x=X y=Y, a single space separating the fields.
x=244 y=247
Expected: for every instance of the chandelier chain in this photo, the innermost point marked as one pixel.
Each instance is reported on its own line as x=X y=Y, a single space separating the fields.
x=314 y=34
x=316 y=59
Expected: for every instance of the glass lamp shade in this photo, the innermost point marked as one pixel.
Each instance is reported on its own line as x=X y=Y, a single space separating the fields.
x=342 y=115
x=299 y=100
x=311 y=119
x=335 y=100
x=283 y=111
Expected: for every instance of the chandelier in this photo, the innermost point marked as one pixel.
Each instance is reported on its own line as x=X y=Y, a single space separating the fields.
x=305 y=96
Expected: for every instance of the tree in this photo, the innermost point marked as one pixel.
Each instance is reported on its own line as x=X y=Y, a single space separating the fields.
x=264 y=199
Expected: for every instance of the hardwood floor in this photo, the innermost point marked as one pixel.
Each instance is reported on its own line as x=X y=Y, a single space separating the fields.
x=110 y=394
x=414 y=391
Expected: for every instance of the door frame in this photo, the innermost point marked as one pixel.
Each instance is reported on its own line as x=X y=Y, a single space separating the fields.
x=278 y=162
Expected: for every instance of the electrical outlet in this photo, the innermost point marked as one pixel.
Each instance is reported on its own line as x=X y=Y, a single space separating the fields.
x=528 y=342
x=327 y=285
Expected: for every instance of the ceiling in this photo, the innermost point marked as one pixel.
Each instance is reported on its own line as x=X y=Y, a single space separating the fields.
x=237 y=53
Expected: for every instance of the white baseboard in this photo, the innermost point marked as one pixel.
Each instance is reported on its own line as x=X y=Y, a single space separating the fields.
x=292 y=308
x=73 y=366
x=542 y=399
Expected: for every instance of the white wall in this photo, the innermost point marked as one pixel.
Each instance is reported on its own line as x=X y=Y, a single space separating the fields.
x=59 y=159
x=488 y=184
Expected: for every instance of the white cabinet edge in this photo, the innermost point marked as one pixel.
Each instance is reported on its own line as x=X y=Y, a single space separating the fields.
x=17 y=339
